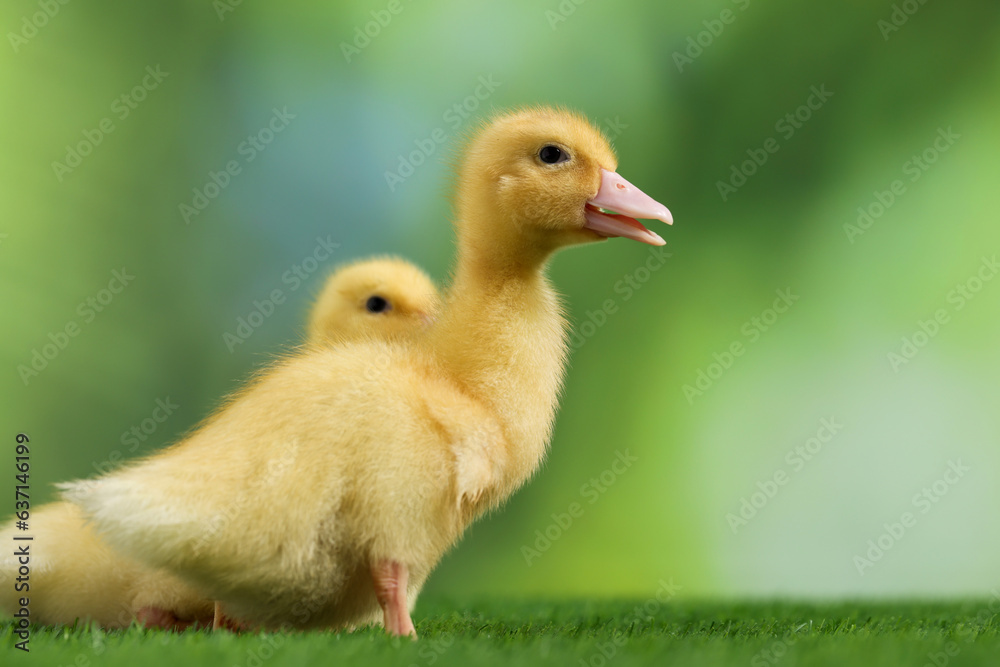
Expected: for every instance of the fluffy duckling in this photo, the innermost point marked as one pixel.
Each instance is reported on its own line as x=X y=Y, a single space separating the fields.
x=325 y=495
x=76 y=575
x=399 y=298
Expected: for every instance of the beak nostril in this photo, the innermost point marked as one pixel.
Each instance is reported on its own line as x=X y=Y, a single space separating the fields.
x=620 y=186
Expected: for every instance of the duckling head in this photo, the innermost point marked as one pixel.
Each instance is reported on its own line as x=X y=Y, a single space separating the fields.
x=547 y=178
x=385 y=297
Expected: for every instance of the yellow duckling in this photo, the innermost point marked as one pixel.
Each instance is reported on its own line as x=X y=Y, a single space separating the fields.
x=325 y=494
x=75 y=574
x=400 y=299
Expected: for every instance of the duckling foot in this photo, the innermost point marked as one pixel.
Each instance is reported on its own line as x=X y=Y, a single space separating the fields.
x=221 y=621
x=390 y=577
x=154 y=617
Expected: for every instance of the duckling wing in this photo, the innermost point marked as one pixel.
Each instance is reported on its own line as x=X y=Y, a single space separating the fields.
x=262 y=472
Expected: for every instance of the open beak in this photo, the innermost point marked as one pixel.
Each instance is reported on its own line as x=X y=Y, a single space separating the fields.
x=628 y=203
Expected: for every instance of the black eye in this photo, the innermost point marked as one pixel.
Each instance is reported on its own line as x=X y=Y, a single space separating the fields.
x=552 y=154
x=377 y=304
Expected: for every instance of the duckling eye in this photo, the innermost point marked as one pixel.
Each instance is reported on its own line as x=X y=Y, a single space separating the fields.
x=377 y=304
x=552 y=154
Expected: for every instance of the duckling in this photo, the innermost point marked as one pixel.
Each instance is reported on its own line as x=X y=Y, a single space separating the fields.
x=75 y=574
x=398 y=297
x=327 y=492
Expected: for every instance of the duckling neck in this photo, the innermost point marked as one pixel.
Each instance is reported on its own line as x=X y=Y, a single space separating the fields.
x=502 y=336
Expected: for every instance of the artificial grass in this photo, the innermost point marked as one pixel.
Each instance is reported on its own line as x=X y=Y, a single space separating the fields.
x=585 y=633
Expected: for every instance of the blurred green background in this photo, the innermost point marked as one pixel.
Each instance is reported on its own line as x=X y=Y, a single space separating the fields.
x=685 y=91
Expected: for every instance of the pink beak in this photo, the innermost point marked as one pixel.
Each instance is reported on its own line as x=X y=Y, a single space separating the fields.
x=629 y=202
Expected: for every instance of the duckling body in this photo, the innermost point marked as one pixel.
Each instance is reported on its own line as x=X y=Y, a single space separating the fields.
x=331 y=488
x=77 y=575
x=294 y=541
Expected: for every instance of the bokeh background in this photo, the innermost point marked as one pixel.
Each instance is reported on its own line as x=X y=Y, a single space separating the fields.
x=685 y=91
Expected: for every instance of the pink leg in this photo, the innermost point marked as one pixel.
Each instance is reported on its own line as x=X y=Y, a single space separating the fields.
x=221 y=621
x=389 y=577
x=154 y=617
